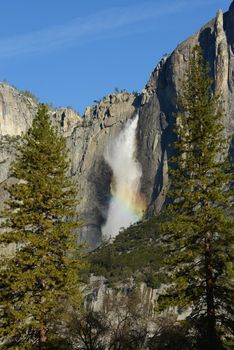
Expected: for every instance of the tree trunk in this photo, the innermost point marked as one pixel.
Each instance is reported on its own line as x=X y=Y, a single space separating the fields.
x=42 y=338
x=210 y=316
x=42 y=334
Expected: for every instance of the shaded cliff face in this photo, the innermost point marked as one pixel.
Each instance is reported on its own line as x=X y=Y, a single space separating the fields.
x=88 y=137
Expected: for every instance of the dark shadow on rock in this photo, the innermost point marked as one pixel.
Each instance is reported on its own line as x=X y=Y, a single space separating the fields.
x=99 y=179
x=229 y=27
x=207 y=43
x=167 y=97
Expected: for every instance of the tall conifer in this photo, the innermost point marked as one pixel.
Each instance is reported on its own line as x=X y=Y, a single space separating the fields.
x=40 y=215
x=199 y=232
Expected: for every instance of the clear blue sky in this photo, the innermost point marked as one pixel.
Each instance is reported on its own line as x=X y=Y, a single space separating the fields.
x=71 y=52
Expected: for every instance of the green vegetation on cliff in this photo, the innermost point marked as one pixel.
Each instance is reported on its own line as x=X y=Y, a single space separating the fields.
x=134 y=253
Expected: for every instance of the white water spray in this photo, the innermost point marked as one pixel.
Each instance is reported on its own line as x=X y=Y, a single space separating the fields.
x=127 y=204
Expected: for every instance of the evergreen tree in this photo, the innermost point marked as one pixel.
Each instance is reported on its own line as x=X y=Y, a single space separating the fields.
x=199 y=232
x=40 y=214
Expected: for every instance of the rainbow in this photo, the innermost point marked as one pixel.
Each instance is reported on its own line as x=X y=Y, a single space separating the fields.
x=133 y=203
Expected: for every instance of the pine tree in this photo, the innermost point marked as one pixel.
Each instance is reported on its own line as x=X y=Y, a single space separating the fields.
x=198 y=230
x=40 y=219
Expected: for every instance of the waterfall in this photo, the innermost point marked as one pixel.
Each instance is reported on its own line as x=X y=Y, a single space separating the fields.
x=127 y=204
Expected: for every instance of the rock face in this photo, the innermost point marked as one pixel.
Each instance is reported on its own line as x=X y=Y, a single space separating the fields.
x=87 y=145
x=101 y=297
x=87 y=137
x=98 y=295
x=16 y=111
x=160 y=95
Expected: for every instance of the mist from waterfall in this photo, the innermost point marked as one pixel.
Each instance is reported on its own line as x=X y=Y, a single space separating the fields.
x=127 y=204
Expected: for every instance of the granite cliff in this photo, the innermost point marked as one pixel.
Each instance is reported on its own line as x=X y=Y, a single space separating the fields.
x=87 y=137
